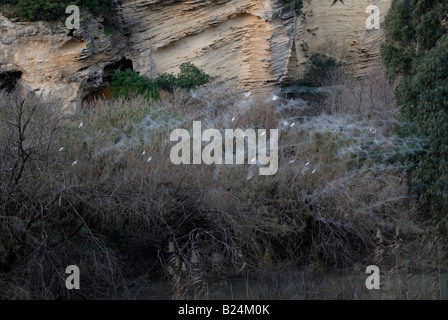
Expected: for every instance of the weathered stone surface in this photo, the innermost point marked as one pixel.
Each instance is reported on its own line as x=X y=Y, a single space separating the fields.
x=54 y=64
x=255 y=44
x=244 y=41
x=340 y=31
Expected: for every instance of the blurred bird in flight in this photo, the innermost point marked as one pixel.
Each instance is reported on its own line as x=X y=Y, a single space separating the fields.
x=334 y=2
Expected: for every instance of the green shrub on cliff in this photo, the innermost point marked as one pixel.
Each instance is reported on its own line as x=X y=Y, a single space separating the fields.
x=128 y=83
x=190 y=77
x=167 y=81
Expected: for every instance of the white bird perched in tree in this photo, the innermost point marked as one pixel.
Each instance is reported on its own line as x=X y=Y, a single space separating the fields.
x=149 y=159
x=293 y=124
x=144 y=152
x=61 y=149
x=274 y=97
x=233 y=119
x=74 y=163
x=247 y=94
x=80 y=125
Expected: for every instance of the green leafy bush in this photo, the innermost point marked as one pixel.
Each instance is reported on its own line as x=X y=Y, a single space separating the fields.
x=97 y=7
x=53 y=10
x=128 y=83
x=35 y=10
x=190 y=77
x=167 y=81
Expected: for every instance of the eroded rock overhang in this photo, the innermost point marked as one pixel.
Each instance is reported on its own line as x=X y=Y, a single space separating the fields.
x=243 y=42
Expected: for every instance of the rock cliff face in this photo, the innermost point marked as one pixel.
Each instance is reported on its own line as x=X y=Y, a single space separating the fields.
x=244 y=41
x=53 y=64
x=339 y=31
x=255 y=44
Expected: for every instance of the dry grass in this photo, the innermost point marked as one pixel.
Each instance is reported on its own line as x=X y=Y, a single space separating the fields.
x=124 y=209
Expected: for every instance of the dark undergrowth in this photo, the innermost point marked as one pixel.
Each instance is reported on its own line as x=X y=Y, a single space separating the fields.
x=97 y=189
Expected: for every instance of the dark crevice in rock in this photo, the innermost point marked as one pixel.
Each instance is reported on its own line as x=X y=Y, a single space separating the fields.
x=120 y=65
x=9 y=80
x=103 y=91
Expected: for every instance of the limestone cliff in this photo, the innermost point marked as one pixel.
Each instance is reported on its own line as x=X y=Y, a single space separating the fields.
x=255 y=44
x=244 y=41
x=339 y=31
x=53 y=63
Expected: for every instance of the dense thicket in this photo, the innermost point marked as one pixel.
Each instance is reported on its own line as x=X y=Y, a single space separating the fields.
x=52 y=10
x=127 y=83
x=416 y=51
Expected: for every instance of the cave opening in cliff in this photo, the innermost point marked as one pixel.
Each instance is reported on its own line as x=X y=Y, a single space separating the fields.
x=9 y=80
x=104 y=92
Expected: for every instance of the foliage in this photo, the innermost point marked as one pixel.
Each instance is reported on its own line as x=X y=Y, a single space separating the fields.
x=53 y=10
x=411 y=31
x=190 y=77
x=97 y=7
x=166 y=81
x=127 y=83
x=416 y=48
x=295 y=4
x=105 y=195
x=321 y=69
